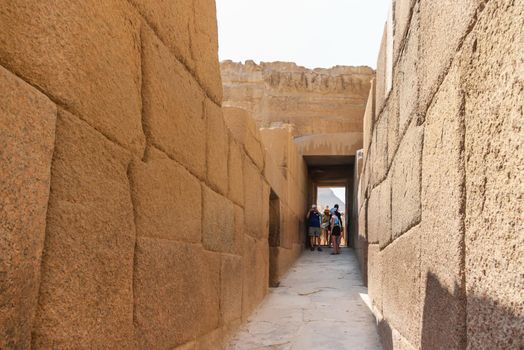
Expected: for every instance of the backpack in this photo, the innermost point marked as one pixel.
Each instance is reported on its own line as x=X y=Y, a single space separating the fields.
x=337 y=220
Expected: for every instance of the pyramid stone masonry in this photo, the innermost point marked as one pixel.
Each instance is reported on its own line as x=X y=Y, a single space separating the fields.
x=150 y=195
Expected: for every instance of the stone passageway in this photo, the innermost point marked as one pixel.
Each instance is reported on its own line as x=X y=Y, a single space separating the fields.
x=318 y=305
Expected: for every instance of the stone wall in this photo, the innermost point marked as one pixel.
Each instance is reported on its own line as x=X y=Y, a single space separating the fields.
x=134 y=209
x=323 y=106
x=441 y=210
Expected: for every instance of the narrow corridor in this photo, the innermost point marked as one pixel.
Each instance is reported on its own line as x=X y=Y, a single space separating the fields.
x=318 y=305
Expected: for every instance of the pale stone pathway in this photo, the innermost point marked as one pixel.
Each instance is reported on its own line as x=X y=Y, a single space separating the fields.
x=319 y=305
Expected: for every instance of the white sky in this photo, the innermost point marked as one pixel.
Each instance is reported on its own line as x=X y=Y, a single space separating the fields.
x=312 y=33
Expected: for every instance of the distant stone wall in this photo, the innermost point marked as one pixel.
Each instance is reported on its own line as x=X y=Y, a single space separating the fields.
x=134 y=210
x=441 y=210
x=319 y=101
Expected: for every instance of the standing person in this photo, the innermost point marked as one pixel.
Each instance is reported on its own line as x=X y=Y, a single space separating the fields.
x=335 y=211
x=335 y=233
x=326 y=225
x=313 y=217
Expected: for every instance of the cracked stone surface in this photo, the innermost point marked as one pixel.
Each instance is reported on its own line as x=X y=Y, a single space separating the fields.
x=320 y=304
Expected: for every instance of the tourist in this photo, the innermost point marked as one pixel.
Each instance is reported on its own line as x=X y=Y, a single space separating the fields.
x=313 y=217
x=326 y=225
x=334 y=211
x=336 y=230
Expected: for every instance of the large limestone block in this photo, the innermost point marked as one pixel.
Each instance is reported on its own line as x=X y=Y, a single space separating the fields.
x=380 y=150
x=494 y=156
x=401 y=301
x=379 y=214
x=236 y=172
x=255 y=274
x=408 y=77
x=162 y=191
x=176 y=288
x=375 y=276
x=274 y=175
x=239 y=230
x=443 y=25
x=173 y=106
x=276 y=143
x=254 y=200
x=403 y=12
x=86 y=296
x=405 y=182
x=393 y=114
x=231 y=288
x=27 y=136
x=85 y=55
x=369 y=118
x=218 y=224
x=217 y=147
x=380 y=79
x=204 y=46
x=442 y=218
x=172 y=22
x=244 y=130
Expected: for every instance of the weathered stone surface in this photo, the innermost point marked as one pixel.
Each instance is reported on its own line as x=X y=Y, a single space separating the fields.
x=313 y=101
x=443 y=25
x=393 y=113
x=255 y=273
x=231 y=288
x=405 y=182
x=218 y=228
x=254 y=199
x=162 y=189
x=239 y=230
x=442 y=219
x=375 y=276
x=27 y=134
x=379 y=214
x=401 y=301
x=408 y=76
x=172 y=22
x=403 y=22
x=369 y=119
x=380 y=150
x=236 y=172
x=274 y=175
x=204 y=46
x=245 y=132
x=86 y=297
x=494 y=139
x=85 y=55
x=380 y=78
x=174 y=283
x=173 y=106
x=217 y=147
x=344 y=143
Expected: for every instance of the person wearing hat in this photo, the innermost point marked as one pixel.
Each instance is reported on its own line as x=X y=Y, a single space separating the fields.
x=313 y=217
x=326 y=225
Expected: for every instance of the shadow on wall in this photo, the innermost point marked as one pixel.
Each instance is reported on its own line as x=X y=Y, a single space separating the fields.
x=444 y=326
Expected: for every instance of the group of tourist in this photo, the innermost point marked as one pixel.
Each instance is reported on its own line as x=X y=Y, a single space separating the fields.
x=327 y=225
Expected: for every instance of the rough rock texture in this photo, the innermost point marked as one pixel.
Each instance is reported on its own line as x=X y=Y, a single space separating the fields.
x=405 y=178
x=179 y=279
x=158 y=201
x=452 y=273
x=137 y=216
x=89 y=243
x=173 y=103
x=494 y=185
x=313 y=102
x=84 y=55
x=27 y=131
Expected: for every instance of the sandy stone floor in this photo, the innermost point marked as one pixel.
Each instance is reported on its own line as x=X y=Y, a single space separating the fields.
x=320 y=304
